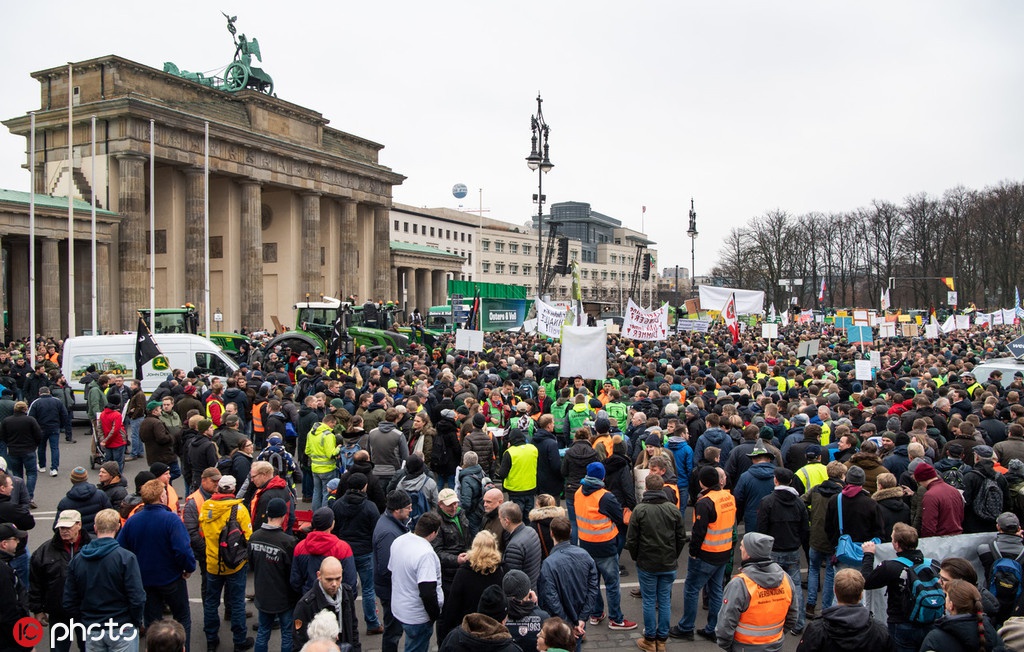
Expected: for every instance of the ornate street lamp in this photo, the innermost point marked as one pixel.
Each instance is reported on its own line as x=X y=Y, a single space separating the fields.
x=692 y=232
x=539 y=161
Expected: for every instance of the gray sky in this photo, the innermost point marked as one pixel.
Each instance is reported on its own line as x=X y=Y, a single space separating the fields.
x=745 y=106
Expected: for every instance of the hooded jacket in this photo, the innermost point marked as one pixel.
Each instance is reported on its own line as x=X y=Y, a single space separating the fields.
x=524 y=622
x=549 y=463
x=212 y=518
x=446 y=442
x=104 y=582
x=713 y=437
x=419 y=482
x=479 y=633
x=387 y=449
x=682 y=455
x=452 y=539
x=736 y=599
x=618 y=479
x=756 y=482
x=88 y=500
x=974 y=479
x=276 y=487
x=355 y=516
x=540 y=520
x=844 y=628
x=656 y=535
x=960 y=634
x=574 y=465
x=872 y=469
x=894 y=508
x=897 y=461
x=48 y=571
x=784 y=516
x=318 y=545
x=374 y=491
x=202 y=454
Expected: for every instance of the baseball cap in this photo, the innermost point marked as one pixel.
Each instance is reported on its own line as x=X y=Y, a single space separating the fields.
x=7 y=530
x=1008 y=522
x=68 y=518
x=447 y=497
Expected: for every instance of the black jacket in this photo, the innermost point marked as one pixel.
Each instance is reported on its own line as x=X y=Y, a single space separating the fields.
x=271 y=551
x=618 y=479
x=845 y=628
x=783 y=515
x=18 y=515
x=890 y=574
x=115 y=491
x=861 y=515
x=48 y=570
x=549 y=463
x=312 y=603
x=12 y=596
x=446 y=455
x=374 y=491
x=355 y=516
x=574 y=464
x=479 y=633
x=88 y=500
x=452 y=539
x=894 y=508
x=21 y=432
x=974 y=479
x=960 y=634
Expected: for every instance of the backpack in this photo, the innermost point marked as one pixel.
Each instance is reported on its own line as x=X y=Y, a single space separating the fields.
x=439 y=454
x=954 y=477
x=1005 y=577
x=289 y=430
x=276 y=460
x=526 y=391
x=348 y=454
x=988 y=502
x=420 y=506
x=232 y=547
x=924 y=599
x=224 y=465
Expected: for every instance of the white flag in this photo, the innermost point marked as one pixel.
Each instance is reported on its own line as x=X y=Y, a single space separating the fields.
x=949 y=325
x=785 y=318
x=885 y=300
x=771 y=313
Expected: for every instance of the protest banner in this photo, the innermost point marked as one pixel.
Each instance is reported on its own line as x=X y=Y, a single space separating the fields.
x=639 y=324
x=549 y=319
x=698 y=325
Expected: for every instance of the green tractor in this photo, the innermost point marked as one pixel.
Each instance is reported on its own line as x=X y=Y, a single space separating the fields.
x=330 y=322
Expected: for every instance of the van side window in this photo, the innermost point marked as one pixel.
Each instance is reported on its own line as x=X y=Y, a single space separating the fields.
x=212 y=364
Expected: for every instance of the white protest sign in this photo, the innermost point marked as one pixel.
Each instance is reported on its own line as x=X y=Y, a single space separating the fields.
x=876 y=359
x=863 y=370
x=466 y=340
x=549 y=319
x=640 y=324
x=931 y=331
x=963 y=322
x=770 y=331
x=583 y=352
x=698 y=325
x=886 y=330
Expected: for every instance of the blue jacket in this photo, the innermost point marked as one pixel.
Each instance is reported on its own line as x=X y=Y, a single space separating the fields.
x=568 y=585
x=897 y=462
x=88 y=500
x=756 y=482
x=104 y=582
x=683 y=457
x=51 y=414
x=160 y=542
x=793 y=436
x=713 y=437
x=384 y=533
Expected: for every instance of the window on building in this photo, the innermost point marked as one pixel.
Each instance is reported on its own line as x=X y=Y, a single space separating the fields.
x=564 y=291
x=463 y=235
x=513 y=269
x=396 y=225
x=527 y=250
x=499 y=247
x=485 y=267
x=470 y=258
x=574 y=254
x=614 y=259
x=431 y=232
x=485 y=245
x=469 y=238
x=513 y=248
x=415 y=228
x=499 y=268
x=527 y=270
x=585 y=273
x=448 y=234
x=406 y=227
x=604 y=276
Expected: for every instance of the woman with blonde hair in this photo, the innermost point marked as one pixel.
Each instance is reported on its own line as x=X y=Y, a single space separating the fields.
x=965 y=628
x=481 y=570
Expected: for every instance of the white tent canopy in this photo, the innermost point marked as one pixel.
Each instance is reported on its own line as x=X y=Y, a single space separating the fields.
x=748 y=302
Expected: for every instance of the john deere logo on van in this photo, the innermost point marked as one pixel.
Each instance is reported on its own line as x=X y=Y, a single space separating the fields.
x=160 y=363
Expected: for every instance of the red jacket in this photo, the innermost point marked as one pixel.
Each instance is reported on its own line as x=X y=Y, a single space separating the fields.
x=942 y=510
x=111 y=423
x=312 y=550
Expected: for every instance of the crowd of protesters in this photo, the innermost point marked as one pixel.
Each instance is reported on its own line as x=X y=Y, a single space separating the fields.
x=482 y=499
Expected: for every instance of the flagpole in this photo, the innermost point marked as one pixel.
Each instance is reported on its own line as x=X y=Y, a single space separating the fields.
x=95 y=311
x=152 y=223
x=71 y=210
x=206 y=224
x=32 y=234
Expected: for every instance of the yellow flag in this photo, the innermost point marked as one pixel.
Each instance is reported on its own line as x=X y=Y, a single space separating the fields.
x=948 y=280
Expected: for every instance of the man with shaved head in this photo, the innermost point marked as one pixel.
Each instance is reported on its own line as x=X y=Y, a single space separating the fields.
x=493 y=498
x=328 y=594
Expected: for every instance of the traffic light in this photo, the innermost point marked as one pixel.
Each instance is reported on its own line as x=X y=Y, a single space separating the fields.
x=562 y=259
x=647 y=267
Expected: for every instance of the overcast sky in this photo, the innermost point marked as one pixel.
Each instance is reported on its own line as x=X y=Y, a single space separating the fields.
x=745 y=106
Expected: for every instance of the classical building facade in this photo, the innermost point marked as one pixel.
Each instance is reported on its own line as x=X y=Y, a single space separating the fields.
x=295 y=206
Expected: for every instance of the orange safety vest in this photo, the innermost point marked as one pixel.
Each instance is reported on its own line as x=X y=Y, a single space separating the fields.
x=675 y=492
x=593 y=526
x=763 y=621
x=172 y=500
x=606 y=442
x=197 y=496
x=719 y=536
x=257 y=417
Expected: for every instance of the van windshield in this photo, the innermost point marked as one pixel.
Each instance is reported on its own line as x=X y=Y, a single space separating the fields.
x=213 y=364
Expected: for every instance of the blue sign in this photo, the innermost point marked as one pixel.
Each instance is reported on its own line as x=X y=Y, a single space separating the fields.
x=859 y=335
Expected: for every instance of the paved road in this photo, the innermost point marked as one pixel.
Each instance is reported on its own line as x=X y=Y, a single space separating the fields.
x=50 y=490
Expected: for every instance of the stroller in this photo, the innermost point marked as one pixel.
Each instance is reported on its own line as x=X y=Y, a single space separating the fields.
x=99 y=451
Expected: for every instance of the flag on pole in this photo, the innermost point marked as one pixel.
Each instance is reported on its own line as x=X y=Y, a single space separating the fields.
x=473 y=321
x=886 y=304
x=146 y=349
x=1017 y=309
x=576 y=294
x=821 y=292
x=771 y=313
x=643 y=209
x=948 y=280
x=785 y=318
x=731 y=321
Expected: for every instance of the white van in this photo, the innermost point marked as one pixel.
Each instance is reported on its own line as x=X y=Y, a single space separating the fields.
x=1009 y=366
x=114 y=355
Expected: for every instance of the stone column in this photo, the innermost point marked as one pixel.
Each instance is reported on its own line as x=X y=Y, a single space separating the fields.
x=195 y=248
x=50 y=281
x=309 y=281
x=381 y=254
x=440 y=287
x=408 y=276
x=132 y=260
x=18 y=304
x=103 y=318
x=348 y=250
x=426 y=291
x=251 y=281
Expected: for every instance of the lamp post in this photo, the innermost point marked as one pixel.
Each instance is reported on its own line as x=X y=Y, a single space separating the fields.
x=692 y=232
x=538 y=160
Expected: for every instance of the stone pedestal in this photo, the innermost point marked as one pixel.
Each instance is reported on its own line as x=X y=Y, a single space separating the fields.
x=251 y=279
x=195 y=232
x=104 y=320
x=310 y=252
x=381 y=254
x=132 y=259
x=347 y=250
x=49 y=279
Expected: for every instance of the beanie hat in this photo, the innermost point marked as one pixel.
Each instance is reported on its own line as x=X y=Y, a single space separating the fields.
x=855 y=475
x=493 y=603
x=709 y=476
x=516 y=584
x=398 y=499
x=596 y=470
x=203 y=425
x=902 y=439
x=277 y=508
x=924 y=472
x=113 y=399
x=479 y=420
x=757 y=545
x=158 y=469
x=893 y=424
x=602 y=426
x=79 y=474
x=112 y=469
x=357 y=481
x=141 y=478
x=323 y=519
x=152 y=405
x=378 y=397
x=414 y=465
